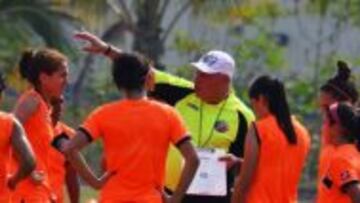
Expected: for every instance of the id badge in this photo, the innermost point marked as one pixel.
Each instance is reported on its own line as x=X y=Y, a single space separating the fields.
x=210 y=178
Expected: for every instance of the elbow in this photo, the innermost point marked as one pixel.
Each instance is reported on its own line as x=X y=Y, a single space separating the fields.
x=32 y=165
x=240 y=186
x=195 y=161
x=239 y=194
x=29 y=165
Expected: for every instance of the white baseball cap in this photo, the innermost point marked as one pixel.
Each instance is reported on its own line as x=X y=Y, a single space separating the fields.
x=216 y=61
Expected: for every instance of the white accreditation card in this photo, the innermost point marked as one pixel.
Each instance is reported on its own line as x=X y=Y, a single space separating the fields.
x=210 y=178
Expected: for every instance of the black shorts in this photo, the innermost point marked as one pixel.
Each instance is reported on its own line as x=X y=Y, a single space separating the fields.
x=205 y=199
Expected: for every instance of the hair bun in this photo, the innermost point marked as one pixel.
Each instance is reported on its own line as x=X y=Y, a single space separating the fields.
x=343 y=72
x=25 y=63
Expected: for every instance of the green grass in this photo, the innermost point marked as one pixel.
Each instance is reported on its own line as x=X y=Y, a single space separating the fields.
x=86 y=194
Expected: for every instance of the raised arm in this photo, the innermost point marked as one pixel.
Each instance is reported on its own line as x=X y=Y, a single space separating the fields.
x=97 y=46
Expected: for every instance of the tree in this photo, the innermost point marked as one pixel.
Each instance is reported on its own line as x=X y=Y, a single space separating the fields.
x=144 y=21
x=30 y=23
x=36 y=19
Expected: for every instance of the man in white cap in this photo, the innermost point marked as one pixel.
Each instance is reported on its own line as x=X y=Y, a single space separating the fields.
x=214 y=116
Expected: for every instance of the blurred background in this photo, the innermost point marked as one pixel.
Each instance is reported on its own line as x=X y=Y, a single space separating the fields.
x=297 y=40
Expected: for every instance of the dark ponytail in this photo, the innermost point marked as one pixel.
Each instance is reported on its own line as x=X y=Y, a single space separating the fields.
x=33 y=62
x=27 y=71
x=341 y=87
x=350 y=120
x=273 y=90
x=2 y=83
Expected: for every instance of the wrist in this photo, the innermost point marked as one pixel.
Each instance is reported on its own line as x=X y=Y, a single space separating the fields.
x=108 y=50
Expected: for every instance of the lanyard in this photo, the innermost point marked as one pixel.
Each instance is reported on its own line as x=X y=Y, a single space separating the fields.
x=213 y=126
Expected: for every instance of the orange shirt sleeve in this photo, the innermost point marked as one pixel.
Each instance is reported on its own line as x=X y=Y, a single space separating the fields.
x=178 y=132
x=342 y=172
x=91 y=126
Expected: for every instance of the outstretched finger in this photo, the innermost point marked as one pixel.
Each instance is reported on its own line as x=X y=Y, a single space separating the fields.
x=84 y=36
x=88 y=49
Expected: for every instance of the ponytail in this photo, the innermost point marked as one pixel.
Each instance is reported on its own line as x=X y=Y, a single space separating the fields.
x=2 y=83
x=26 y=69
x=273 y=90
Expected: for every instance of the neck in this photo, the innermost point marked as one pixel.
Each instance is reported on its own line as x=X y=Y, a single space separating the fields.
x=138 y=94
x=340 y=140
x=263 y=113
x=216 y=101
x=45 y=97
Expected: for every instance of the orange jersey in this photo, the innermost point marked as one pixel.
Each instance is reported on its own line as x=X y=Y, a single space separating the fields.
x=39 y=132
x=136 y=136
x=326 y=151
x=6 y=126
x=343 y=168
x=279 y=167
x=326 y=148
x=57 y=162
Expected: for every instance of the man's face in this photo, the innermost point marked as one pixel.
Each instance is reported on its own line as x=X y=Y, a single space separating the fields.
x=211 y=88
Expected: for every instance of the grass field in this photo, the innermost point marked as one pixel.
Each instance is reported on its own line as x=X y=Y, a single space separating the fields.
x=87 y=193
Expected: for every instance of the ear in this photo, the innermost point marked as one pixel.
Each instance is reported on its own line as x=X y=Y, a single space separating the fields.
x=43 y=78
x=150 y=80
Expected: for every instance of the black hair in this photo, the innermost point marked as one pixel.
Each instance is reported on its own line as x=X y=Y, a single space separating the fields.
x=350 y=120
x=57 y=101
x=340 y=86
x=274 y=92
x=130 y=71
x=33 y=62
x=56 y=112
x=2 y=83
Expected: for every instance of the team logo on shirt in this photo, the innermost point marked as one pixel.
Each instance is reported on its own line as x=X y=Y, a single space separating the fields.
x=221 y=126
x=345 y=175
x=327 y=182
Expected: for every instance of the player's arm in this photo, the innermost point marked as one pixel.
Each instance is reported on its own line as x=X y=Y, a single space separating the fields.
x=243 y=181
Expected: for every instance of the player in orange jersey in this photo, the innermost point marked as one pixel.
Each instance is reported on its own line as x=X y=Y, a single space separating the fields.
x=137 y=133
x=341 y=179
x=13 y=141
x=61 y=172
x=275 y=149
x=339 y=88
x=46 y=71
